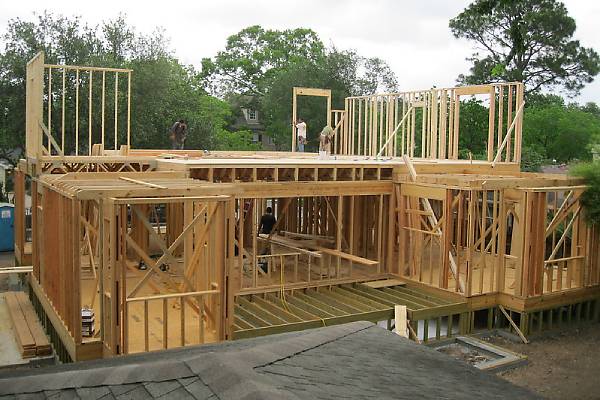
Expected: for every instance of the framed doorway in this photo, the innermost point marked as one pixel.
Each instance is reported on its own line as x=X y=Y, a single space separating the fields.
x=301 y=91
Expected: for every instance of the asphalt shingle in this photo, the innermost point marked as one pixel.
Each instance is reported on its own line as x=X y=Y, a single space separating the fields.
x=198 y=389
x=357 y=360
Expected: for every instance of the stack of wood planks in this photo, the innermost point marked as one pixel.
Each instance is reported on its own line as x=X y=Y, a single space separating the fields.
x=29 y=334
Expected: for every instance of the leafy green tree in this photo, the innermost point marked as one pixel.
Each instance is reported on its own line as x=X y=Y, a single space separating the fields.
x=62 y=39
x=590 y=199
x=254 y=54
x=531 y=159
x=258 y=69
x=591 y=108
x=473 y=129
x=163 y=90
x=344 y=72
x=277 y=102
x=529 y=41
x=560 y=132
x=357 y=75
x=240 y=140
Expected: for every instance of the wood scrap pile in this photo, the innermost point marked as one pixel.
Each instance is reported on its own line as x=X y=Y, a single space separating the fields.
x=29 y=333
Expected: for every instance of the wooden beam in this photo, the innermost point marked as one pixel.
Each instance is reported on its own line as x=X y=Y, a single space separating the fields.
x=290 y=244
x=349 y=257
x=140 y=182
x=512 y=323
x=400 y=321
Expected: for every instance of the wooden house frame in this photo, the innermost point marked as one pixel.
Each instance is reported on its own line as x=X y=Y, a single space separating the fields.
x=165 y=245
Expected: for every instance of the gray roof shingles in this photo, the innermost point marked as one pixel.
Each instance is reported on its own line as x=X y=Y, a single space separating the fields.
x=357 y=360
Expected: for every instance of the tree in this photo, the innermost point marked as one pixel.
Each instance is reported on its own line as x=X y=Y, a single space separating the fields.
x=163 y=90
x=344 y=72
x=560 y=132
x=531 y=159
x=474 y=119
x=530 y=41
x=62 y=39
x=254 y=54
x=259 y=68
x=276 y=104
x=590 y=199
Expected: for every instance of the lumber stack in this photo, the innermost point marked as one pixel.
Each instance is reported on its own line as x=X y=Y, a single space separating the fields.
x=29 y=334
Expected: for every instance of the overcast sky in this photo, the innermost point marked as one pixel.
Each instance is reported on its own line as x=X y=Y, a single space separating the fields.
x=413 y=37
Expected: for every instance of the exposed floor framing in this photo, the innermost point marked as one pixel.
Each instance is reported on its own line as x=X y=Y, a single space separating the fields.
x=273 y=312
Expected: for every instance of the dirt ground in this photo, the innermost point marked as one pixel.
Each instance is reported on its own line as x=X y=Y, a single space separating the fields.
x=562 y=365
x=464 y=353
x=7 y=259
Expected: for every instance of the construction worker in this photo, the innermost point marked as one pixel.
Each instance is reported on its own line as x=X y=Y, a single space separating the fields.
x=177 y=134
x=267 y=222
x=301 y=134
x=325 y=138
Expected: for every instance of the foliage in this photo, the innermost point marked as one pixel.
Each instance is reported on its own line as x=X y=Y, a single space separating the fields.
x=163 y=90
x=276 y=104
x=529 y=41
x=531 y=159
x=254 y=54
x=258 y=69
x=174 y=95
x=590 y=199
x=235 y=141
x=473 y=129
x=344 y=72
x=560 y=132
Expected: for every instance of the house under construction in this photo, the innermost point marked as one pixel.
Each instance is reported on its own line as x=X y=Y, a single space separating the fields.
x=161 y=247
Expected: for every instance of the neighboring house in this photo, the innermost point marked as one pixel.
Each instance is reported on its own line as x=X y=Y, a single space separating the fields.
x=250 y=119
x=353 y=361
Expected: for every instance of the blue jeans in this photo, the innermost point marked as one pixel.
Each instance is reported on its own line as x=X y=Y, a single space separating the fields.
x=301 y=147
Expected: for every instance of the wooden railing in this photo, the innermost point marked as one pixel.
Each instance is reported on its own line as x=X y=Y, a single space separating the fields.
x=181 y=299
x=295 y=267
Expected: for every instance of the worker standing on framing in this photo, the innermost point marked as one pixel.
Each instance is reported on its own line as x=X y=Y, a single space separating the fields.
x=178 y=134
x=267 y=222
x=325 y=138
x=301 y=127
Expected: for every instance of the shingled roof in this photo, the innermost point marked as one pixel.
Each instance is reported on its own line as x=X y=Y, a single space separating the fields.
x=353 y=361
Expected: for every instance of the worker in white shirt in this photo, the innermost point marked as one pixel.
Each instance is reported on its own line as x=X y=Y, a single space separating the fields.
x=301 y=134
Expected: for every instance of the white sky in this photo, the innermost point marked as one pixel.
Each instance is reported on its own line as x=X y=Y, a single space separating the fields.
x=413 y=37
